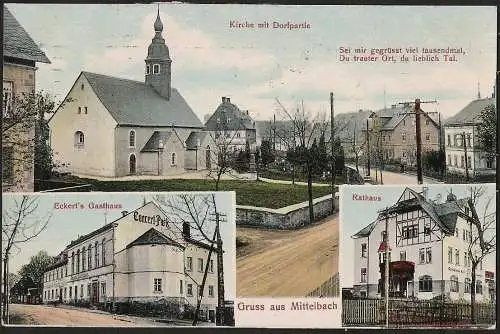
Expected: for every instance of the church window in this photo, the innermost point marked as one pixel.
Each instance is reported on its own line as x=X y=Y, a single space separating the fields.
x=156 y=69
x=79 y=110
x=174 y=159
x=79 y=139
x=131 y=138
x=148 y=69
x=82 y=86
x=85 y=110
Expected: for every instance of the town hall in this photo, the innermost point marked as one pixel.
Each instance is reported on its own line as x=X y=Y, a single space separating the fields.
x=113 y=127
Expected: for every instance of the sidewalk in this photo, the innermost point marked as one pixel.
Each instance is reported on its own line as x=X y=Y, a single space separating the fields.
x=263 y=179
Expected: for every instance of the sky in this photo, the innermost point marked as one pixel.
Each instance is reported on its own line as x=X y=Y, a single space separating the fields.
x=67 y=225
x=351 y=221
x=254 y=67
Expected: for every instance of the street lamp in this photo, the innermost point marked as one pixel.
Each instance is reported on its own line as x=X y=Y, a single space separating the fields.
x=160 y=149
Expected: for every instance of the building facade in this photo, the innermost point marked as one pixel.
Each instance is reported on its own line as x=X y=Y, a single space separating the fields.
x=20 y=55
x=141 y=257
x=462 y=146
x=427 y=249
x=128 y=127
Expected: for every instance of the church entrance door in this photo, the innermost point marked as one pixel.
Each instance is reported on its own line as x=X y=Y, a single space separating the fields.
x=132 y=164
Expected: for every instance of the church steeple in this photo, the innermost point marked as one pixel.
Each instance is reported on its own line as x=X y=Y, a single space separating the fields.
x=158 y=62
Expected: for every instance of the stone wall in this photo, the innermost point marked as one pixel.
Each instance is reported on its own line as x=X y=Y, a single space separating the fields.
x=287 y=218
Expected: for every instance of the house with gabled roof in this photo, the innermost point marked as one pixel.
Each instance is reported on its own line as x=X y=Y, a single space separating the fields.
x=20 y=55
x=112 y=127
x=426 y=242
x=462 y=148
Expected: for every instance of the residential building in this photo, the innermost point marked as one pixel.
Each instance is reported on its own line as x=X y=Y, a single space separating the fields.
x=427 y=247
x=236 y=126
x=20 y=55
x=461 y=137
x=140 y=257
x=127 y=127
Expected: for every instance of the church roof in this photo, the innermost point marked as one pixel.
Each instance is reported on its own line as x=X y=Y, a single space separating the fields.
x=153 y=144
x=17 y=43
x=470 y=114
x=134 y=103
x=195 y=139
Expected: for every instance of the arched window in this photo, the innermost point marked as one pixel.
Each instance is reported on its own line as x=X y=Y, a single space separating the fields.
x=89 y=257
x=425 y=284
x=84 y=258
x=78 y=261
x=79 y=139
x=72 y=263
x=103 y=250
x=131 y=138
x=156 y=69
x=479 y=287
x=148 y=69
x=174 y=160
x=454 y=283
x=96 y=253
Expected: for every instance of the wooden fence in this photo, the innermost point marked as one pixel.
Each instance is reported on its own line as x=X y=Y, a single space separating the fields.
x=369 y=312
x=329 y=288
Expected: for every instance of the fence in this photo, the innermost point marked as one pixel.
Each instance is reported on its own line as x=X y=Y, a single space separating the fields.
x=329 y=288
x=366 y=312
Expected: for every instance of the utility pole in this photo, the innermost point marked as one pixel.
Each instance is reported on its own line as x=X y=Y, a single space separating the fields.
x=220 y=275
x=387 y=264
x=466 y=160
x=274 y=134
x=332 y=137
x=367 y=149
x=418 y=135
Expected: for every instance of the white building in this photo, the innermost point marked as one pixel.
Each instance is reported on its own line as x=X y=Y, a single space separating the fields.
x=140 y=257
x=428 y=244
x=465 y=123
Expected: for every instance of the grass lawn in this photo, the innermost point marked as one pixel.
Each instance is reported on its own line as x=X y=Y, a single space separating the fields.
x=254 y=193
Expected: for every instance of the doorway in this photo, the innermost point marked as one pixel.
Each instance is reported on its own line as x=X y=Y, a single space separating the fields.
x=95 y=293
x=132 y=164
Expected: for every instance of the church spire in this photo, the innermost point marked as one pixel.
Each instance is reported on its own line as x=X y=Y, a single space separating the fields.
x=158 y=62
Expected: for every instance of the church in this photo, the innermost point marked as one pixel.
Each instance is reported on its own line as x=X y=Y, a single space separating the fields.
x=114 y=127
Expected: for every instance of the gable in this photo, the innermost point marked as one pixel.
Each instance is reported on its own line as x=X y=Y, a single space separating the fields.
x=154 y=237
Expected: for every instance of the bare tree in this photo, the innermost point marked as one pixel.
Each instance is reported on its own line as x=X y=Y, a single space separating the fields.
x=482 y=237
x=21 y=222
x=199 y=213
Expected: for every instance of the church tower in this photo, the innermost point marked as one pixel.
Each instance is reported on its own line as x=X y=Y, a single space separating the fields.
x=158 y=62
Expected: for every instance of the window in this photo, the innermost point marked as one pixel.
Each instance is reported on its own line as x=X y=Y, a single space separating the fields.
x=82 y=86
x=469 y=162
x=81 y=290
x=103 y=289
x=462 y=160
x=157 y=285
x=189 y=291
x=427 y=228
x=450 y=255
x=427 y=136
x=79 y=110
x=103 y=250
x=382 y=235
x=70 y=292
x=89 y=290
x=238 y=135
x=479 y=287
x=456 y=233
x=210 y=290
x=463 y=234
x=422 y=255
x=449 y=159
x=455 y=160
x=181 y=287
x=466 y=260
x=426 y=122
x=131 y=138
x=79 y=139
x=72 y=263
x=449 y=140
x=454 y=283
x=78 y=261
x=89 y=258
x=467 y=285
x=425 y=284
x=403 y=135
x=156 y=69
x=363 y=275
x=457 y=257
x=218 y=120
x=404 y=122
x=76 y=292
x=363 y=250
x=173 y=162
x=211 y=266
x=428 y=255
x=148 y=69
x=200 y=265
x=84 y=251
x=468 y=140
x=489 y=163
x=96 y=254
x=410 y=232
x=454 y=140
x=8 y=91
x=189 y=263
x=86 y=110
x=8 y=164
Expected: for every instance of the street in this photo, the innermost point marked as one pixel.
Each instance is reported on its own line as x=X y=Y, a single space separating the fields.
x=71 y=316
x=393 y=178
x=286 y=263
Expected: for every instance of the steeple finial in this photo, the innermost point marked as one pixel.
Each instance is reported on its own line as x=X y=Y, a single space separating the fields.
x=158 y=26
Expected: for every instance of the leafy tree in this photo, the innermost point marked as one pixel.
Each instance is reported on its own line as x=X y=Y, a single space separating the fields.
x=487 y=132
x=322 y=155
x=36 y=267
x=266 y=153
x=434 y=161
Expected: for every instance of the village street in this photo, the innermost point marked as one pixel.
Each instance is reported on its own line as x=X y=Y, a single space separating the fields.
x=394 y=178
x=28 y=314
x=287 y=263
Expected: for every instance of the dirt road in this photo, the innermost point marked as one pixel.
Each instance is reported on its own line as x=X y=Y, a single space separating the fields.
x=286 y=263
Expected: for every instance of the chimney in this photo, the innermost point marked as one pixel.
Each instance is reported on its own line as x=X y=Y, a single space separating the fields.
x=186 y=230
x=223 y=99
x=124 y=213
x=228 y=100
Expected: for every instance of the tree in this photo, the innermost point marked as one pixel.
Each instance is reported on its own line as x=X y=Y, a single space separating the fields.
x=356 y=147
x=482 y=239
x=266 y=153
x=21 y=222
x=199 y=214
x=36 y=267
x=25 y=129
x=487 y=132
x=377 y=150
x=434 y=161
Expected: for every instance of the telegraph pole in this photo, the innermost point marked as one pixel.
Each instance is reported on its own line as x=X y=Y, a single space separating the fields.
x=333 y=150
x=367 y=149
x=387 y=264
x=220 y=275
x=466 y=160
